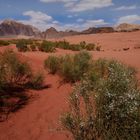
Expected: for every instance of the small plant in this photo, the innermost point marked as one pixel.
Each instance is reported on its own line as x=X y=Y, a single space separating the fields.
x=83 y=44
x=36 y=81
x=98 y=48
x=22 y=45
x=52 y=63
x=15 y=76
x=33 y=47
x=4 y=43
x=71 y=68
x=105 y=107
x=15 y=72
x=63 y=45
x=90 y=47
x=47 y=46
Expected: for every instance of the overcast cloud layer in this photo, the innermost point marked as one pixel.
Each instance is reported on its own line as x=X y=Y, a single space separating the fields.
x=71 y=14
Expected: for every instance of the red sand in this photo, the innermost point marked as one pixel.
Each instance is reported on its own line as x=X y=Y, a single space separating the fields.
x=40 y=119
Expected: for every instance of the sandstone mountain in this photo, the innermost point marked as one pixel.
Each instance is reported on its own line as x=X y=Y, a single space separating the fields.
x=95 y=30
x=125 y=27
x=11 y=27
x=53 y=33
x=14 y=28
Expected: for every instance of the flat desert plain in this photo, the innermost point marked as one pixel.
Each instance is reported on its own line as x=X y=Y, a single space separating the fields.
x=40 y=118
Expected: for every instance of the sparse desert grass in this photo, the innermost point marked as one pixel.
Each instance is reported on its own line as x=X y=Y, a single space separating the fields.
x=70 y=67
x=4 y=43
x=15 y=77
x=105 y=104
x=33 y=47
x=76 y=47
x=52 y=63
x=47 y=46
x=36 y=82
x=22 y=45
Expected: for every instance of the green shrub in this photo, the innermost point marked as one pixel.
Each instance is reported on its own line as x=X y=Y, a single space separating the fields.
x=4 y=43
x=90 y=47
x=36 y=81
x=71 y=68
x=52 y=63
x=107 y=107
x=63 y=45
x=15 y=76
x=98 y=48
x=47 y=46
x=22 y=45
x=75 y=47
x=33 y=47
x=83 y=44
x=14 y=71
x=67 y=69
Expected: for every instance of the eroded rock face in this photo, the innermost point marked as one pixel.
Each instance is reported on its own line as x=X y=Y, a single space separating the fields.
x=53 y=33
x=11 y=27
x=125 y=27
x=94 y=30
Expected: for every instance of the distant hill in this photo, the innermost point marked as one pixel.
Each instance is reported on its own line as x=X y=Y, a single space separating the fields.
x=95 y=30
x=53 y=33
x=125 y=27
x=14 y=28
x=11 y=27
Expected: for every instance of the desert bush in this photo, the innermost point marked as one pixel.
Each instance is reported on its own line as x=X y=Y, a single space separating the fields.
x=22 y=45
x=47 y=46
x=83 y=44
x=63 y=44
x=98 y=48
x=52 y=63
x=37 y=81
x=105 y=108
x=33 y=47
x=75 y=47
x=4 y=43
x=67 y=69
x=90 y=47
x=13 y=71
x=70 y=67
x=15 y=76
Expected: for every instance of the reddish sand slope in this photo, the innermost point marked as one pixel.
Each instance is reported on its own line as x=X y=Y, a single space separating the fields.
x=39 y=120
x=109 y=41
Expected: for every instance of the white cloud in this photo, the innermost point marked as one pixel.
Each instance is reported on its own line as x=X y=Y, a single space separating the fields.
x=67 y=3
x=126 y=8
x=91 y=23
x=50 y=1
x=129 y=19
x=44 y=21
x=82 y=5
x=37 y=15
x=84 y=25
x=80 y=20
x=39 y=20
x=70 y=16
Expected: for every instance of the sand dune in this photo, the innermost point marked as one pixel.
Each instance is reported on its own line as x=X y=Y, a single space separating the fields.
x=39 y=120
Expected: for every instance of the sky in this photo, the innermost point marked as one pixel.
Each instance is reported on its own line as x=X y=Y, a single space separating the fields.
x=71 y=14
